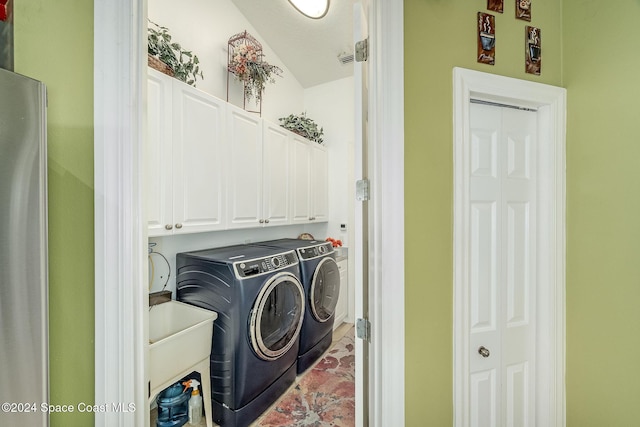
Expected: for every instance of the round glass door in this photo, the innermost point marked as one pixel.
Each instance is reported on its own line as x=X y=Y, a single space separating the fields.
x=276 y=317
x=325 y=289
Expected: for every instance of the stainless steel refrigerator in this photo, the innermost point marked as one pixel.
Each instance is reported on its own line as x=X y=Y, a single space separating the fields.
x=24 y=355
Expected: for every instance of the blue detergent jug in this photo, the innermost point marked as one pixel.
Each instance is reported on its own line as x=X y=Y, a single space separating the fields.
x=173 y=406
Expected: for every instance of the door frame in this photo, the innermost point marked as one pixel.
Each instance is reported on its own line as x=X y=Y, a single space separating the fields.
x=550 y=104
x=121 y=296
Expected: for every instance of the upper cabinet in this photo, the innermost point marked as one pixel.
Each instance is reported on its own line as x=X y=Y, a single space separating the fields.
x=186 y=151
x=244 y=185
x=213 y=166
x=309 y=181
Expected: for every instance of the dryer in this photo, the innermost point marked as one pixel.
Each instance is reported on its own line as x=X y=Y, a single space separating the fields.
x=321 y=281
x=259 y=298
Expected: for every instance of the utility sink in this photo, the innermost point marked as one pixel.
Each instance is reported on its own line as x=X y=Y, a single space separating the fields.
x=179 y=339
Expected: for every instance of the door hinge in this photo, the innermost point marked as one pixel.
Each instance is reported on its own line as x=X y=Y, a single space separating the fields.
x=363 y=329
x=362 y=190
x=362 y=50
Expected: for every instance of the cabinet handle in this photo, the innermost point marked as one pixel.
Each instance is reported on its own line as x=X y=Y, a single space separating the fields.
x=266 y=221
x=261 y=221
x=169 y=227
x=178 y=225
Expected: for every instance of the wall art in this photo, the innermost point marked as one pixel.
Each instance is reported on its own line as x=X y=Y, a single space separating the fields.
x=533 y=50
x=495 y=5
x=486 y=38
x=523 y=10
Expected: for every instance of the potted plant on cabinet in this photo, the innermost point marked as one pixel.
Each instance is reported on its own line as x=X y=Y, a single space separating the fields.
x=303 y=126
x=169 y=57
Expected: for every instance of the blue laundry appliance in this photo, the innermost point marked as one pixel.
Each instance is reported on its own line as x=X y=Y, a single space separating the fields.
x=321 y=281
x=259 y=298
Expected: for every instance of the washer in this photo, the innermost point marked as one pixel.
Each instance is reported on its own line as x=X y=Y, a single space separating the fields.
x=259 y=298
x=321 y=281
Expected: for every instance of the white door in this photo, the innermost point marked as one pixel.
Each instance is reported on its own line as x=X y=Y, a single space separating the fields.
x=276 y=175
x=319 y=181
x=301 y=180
x=198 y=160
x=502 y=261
x=244 y=177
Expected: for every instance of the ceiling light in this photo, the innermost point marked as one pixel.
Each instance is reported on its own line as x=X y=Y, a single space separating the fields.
x=315 y=9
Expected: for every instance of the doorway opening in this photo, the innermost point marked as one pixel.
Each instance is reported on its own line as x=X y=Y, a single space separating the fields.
x=483 y=253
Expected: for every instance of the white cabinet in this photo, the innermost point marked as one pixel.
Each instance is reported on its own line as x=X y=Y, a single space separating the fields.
x=276 y=174
x=244 y=185
x=213 y=166
x=319 y=183
x=342 y=307
x=309 y=184
x=300 y=180
x=159 y=175
x=186 y=154
x=258 y=186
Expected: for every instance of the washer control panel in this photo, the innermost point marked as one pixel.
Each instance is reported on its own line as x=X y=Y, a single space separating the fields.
x=256 y=267
x=315 y=251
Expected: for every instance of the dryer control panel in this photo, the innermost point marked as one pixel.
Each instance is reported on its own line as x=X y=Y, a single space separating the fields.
x=258 y=266
x=315 y=251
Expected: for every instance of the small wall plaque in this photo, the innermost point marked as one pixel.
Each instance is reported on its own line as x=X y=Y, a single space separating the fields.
x=523 y=10
x=495 y=5
x=486 y=38
x=533 y=54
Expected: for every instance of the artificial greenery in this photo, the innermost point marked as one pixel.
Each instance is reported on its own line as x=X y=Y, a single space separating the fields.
x=303 y=126
x=183 y=63
x=248 y=66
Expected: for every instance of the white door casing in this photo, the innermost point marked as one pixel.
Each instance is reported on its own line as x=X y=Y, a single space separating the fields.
x=121 y=320
x=481 y=257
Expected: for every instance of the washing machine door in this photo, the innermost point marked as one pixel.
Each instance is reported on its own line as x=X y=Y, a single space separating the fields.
x=325 y=289
x=276 y=317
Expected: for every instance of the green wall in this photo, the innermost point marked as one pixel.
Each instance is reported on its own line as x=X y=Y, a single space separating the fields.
x=54 y=44
x=440 y=35
x=601 y=63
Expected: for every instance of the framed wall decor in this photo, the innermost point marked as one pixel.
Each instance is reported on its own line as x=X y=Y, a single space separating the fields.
x=495 y=5
x=523 y=10
x=486 y=38
x=533 y=50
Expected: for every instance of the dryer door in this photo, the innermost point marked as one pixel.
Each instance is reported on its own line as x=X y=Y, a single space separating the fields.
x=325 y=289
x=276 y=317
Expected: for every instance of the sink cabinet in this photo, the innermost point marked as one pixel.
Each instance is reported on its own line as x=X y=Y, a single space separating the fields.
x=186 y=152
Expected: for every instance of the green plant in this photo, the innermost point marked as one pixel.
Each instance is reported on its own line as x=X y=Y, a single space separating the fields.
x=183 y=63
x=303 y=126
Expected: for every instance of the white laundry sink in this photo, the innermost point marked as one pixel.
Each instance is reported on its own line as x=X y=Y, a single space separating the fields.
x=179 y=338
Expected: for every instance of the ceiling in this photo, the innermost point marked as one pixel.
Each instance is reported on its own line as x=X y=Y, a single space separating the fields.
x=309 y=48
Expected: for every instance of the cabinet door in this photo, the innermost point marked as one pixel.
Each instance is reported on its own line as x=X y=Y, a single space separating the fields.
x=199 y=156
x=244 y=180
x=159 y=173
x=275 y=174
x=300 y=180
x=319 y=184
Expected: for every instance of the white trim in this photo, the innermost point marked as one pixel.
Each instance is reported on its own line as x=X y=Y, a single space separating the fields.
x=120 y=297
x=550 y=102
x=386 y=253
x=120 y=232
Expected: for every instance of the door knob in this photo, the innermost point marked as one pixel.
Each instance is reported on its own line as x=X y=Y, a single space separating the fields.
x=178 y=225
x=484 y=352
x=169 y=227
